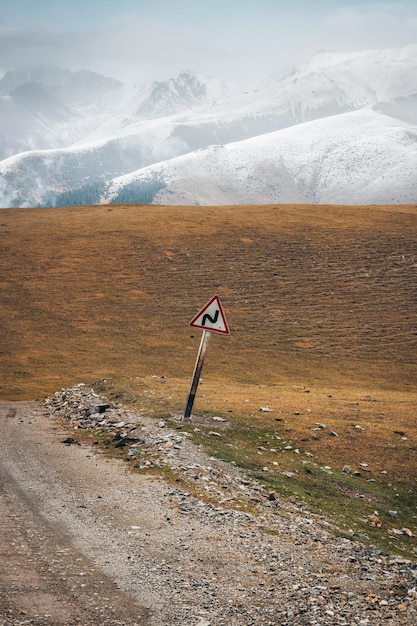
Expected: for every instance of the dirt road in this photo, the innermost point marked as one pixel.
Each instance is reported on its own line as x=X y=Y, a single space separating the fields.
x=85 y=542
x=44 y=577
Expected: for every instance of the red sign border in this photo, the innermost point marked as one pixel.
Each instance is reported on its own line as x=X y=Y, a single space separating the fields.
x=201 y=312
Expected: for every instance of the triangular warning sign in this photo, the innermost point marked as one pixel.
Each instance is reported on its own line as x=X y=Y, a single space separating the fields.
x=211 y=317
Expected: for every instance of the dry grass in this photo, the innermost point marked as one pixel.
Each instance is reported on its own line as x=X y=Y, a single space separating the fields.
x=313 y=295
x=321 y=302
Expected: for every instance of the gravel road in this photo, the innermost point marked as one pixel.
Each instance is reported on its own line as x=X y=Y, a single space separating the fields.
x=85 y=541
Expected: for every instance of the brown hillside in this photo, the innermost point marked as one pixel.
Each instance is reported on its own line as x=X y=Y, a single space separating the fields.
x=313 y=294
x=321 y=303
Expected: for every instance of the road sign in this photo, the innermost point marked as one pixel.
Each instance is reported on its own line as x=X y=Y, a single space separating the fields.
x=211 y=317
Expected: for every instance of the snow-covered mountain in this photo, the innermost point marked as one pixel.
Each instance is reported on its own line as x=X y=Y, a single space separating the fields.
x=185 y=91
x=342 y=128
x=364 y=156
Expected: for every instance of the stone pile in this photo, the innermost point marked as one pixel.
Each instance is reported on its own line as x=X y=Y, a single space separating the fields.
x=152 y=443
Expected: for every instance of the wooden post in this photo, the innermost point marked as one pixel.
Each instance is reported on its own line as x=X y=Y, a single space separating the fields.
x=197 y=372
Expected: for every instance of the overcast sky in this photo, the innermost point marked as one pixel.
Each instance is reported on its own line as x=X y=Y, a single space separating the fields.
x=138 y=40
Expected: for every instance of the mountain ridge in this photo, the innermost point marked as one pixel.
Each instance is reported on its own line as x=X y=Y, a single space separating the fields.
x=97 y=144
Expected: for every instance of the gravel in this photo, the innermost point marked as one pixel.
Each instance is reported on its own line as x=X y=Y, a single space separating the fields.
x=195 y=555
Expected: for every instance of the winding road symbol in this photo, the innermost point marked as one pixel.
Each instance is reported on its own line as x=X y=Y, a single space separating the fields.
x=211 y=320
x=211 y=317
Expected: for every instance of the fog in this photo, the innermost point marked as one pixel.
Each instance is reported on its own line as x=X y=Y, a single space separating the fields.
x=140 y=40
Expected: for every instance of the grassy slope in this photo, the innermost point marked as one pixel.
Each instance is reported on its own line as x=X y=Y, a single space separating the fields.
x=320 y=300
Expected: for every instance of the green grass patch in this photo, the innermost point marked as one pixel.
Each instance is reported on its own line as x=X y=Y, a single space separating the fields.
x=362 y=505
x=358 y=507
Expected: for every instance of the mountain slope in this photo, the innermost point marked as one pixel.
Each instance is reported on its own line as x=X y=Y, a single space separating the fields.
x=328 y=85
x=360 y=157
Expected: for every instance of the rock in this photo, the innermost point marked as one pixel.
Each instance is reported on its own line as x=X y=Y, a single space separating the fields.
x=374 y=521
x=70 y=441
x=102 y=408
x=362 y=536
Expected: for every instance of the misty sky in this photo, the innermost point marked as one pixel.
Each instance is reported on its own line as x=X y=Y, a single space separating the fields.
x=138 y=40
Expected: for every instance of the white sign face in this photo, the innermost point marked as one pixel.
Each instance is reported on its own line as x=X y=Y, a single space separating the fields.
x=211 y=317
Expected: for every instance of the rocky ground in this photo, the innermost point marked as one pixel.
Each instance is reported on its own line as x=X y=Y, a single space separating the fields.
x=86 y=541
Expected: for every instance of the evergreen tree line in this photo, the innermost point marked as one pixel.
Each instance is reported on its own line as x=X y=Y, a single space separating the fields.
x=140 y=192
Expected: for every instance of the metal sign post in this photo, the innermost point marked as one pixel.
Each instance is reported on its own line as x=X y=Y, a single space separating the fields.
x=197 y=372
x=211 y=318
